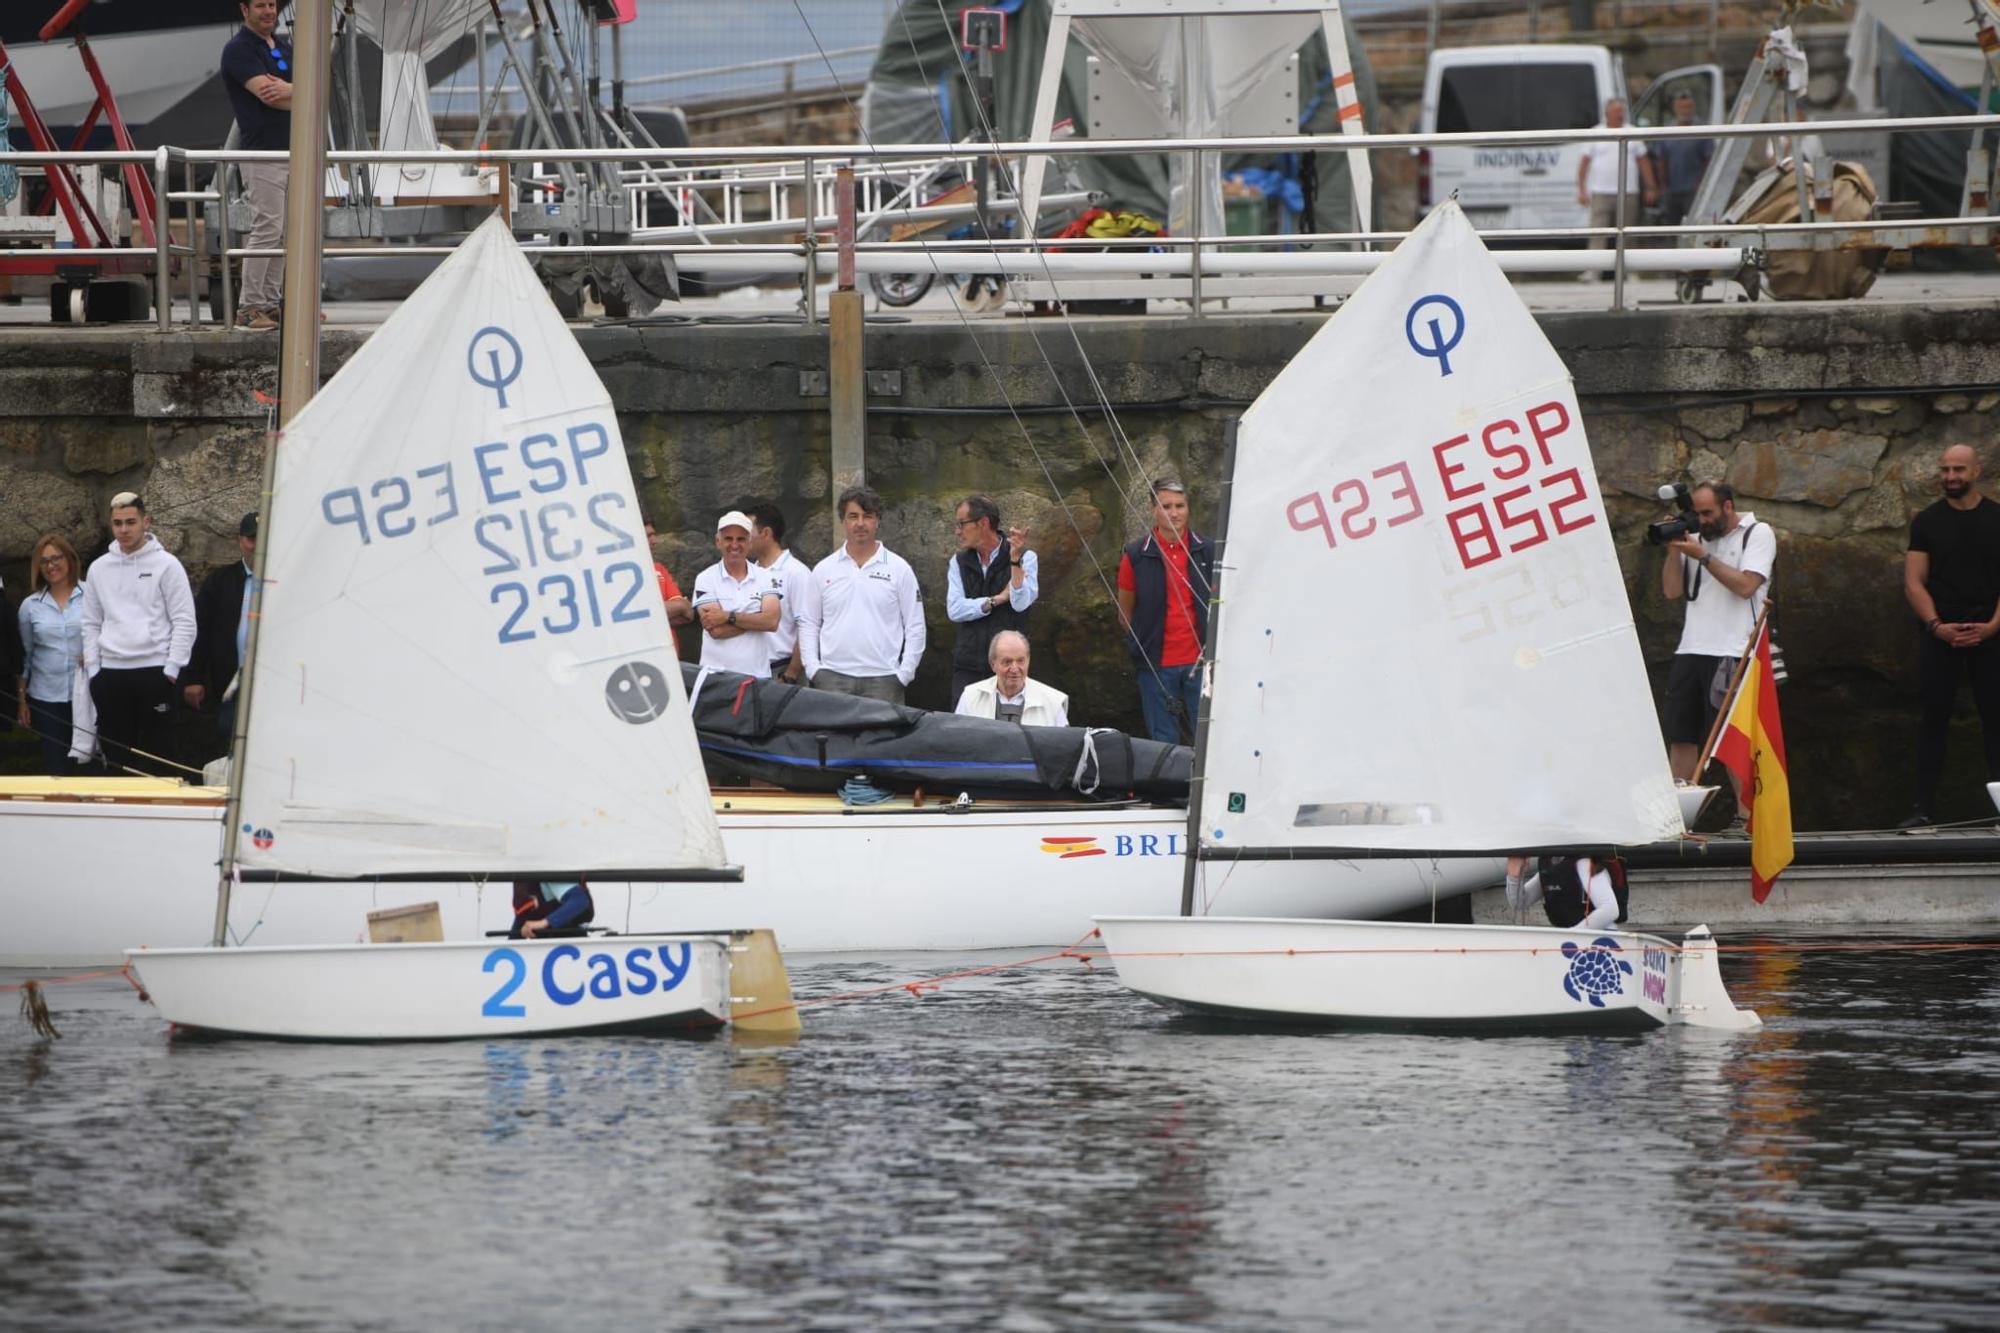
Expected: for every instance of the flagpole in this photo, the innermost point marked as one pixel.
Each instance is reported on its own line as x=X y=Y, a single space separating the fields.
x=1729 y=698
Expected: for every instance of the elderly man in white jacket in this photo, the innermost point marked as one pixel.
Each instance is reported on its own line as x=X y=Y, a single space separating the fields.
x=1008 y=693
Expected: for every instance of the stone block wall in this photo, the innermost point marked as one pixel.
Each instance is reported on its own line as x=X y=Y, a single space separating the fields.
x=1827 y=420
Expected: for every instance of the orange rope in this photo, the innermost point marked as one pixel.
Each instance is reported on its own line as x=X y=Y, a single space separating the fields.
x=917 y=988
x=124 y=971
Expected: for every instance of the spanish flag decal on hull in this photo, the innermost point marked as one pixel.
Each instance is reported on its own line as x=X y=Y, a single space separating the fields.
x=1066 y=847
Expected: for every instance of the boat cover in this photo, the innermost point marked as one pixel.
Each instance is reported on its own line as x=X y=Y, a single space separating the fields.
x=815 y=740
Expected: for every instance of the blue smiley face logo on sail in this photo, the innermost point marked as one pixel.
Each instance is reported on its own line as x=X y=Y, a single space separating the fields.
x=493 y=359
x=637 y=692
x=1440 y=344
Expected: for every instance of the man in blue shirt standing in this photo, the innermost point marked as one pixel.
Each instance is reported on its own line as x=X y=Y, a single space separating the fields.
x=1682 y=163
x=257 y=72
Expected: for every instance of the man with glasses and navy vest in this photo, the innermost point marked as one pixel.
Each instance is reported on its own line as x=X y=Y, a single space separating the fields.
x=257 y=72
x=989 y=586
x=1163 y=585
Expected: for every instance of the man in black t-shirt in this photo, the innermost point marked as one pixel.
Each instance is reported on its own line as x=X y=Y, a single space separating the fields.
x=257 y=72
x=1951 y=576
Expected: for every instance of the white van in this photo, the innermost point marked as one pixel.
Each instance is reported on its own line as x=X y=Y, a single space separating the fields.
x=1478 y=88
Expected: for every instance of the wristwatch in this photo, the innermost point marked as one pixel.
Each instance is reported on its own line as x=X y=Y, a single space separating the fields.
x=1706 y=557
x=732 y=617
x=1930 y=626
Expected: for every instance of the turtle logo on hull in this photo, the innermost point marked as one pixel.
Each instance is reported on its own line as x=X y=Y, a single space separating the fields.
x=1596 y=971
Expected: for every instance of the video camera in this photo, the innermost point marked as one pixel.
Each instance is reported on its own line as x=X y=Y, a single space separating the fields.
x=1681 y=524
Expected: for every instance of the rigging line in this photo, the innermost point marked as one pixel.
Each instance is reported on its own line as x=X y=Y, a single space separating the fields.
x=418 y=23
x=1120 y=438
x=94 y=735
x=97 y=737
x=1126 y=495
x=1121 y=441
x=986 y=363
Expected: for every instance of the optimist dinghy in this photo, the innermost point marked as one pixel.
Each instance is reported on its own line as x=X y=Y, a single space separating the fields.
x=1421 y=535
x=459 y=669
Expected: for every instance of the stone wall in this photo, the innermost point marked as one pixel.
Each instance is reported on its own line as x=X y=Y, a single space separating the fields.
x=1827 y=420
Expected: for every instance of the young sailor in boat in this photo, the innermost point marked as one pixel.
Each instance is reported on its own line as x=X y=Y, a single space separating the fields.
x=1577 y=892
x=550 y=906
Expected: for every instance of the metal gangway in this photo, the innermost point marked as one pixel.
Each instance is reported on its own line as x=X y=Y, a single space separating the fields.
x=738 y=186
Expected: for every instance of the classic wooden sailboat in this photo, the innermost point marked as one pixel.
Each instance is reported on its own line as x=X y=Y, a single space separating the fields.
x=1444 y=508
x=458 y=672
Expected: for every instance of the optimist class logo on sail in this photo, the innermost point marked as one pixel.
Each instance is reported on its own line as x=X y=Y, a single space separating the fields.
x=551 y=521
x=1512 y=482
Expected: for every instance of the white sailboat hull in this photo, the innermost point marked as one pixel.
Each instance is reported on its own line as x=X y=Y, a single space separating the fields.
x=149 y=71
x=83 y=881
x=437 y=992
x=1940 y=31
x=1388 y=974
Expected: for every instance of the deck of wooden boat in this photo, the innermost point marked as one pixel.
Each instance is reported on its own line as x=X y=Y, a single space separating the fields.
x=728 y=800
x=110 y=791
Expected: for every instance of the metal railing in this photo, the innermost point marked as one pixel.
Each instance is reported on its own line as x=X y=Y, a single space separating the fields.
x=1202 y=258
x=1421 y=28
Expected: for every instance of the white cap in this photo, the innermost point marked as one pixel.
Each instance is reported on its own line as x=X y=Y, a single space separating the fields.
x=736 y=518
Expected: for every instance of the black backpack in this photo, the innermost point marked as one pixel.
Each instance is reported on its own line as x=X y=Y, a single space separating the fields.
x=1564 y=898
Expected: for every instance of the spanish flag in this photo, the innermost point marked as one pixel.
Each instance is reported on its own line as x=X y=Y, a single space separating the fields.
x=1753 y=749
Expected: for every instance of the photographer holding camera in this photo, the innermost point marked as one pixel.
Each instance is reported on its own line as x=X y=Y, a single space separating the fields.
x=1724 y=573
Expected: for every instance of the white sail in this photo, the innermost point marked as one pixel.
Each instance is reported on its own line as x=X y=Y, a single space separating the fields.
x=464 y=662
x=1425 y=641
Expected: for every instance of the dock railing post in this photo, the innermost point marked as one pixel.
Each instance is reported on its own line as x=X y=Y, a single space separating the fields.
x=1618 y=242
x=222 y=173
x=1198 y=197
x=809 y=280
x=163 y=294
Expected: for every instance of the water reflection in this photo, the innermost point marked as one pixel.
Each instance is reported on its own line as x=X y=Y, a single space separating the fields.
x=1037 y=1151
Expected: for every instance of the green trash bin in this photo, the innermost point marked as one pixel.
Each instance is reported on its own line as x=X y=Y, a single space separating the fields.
x=1243 y=215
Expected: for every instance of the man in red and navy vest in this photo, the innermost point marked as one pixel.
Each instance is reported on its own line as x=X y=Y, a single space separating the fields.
x=989 y=586
x=1164 y=580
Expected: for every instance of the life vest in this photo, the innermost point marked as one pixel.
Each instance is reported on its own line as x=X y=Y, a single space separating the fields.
x=535 y=899
x=1565 y=898
x=968 y=653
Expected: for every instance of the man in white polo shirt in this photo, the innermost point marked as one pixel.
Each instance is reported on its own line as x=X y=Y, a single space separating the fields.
x=864 y=632
x=1597 y=180
x=791 y=576
x=736 y=603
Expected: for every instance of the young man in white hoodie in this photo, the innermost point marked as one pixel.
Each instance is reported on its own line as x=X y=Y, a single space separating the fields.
x=138 y=633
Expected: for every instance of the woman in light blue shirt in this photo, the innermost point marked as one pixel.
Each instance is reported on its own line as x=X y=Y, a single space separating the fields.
x=51 y=649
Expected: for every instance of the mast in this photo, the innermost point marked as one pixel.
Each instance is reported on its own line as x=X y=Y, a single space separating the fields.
x=298 y=366
x=1196 y=782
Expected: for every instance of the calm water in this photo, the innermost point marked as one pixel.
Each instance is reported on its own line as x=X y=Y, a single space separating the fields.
x=1027 y=1151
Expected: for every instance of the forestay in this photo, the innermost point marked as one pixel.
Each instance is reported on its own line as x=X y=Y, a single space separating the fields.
x=1425 y=641
x=464 y=662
